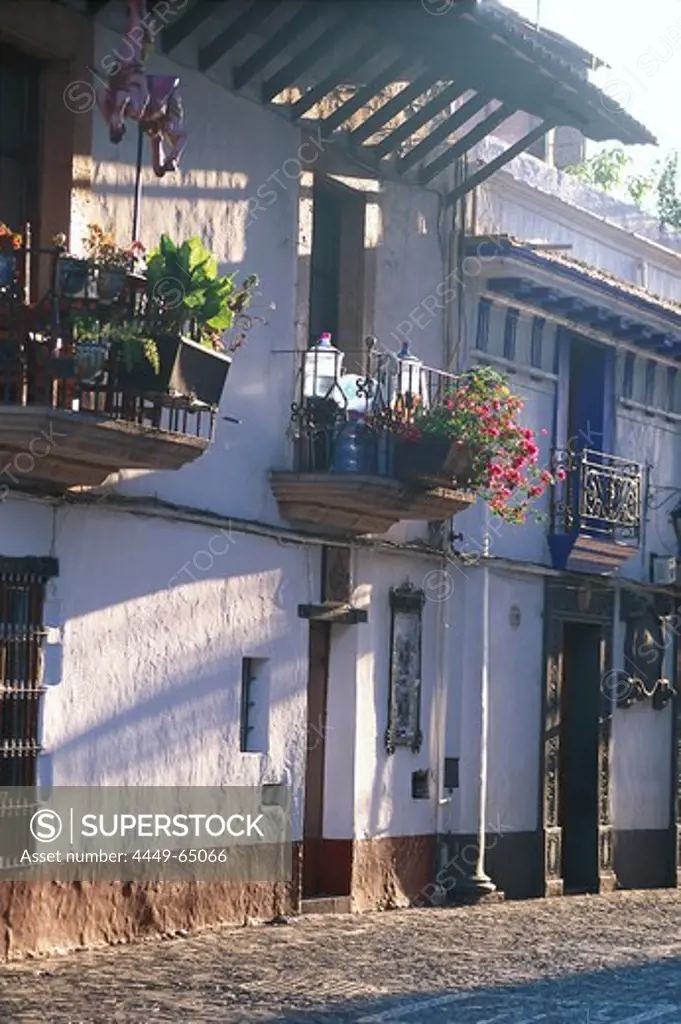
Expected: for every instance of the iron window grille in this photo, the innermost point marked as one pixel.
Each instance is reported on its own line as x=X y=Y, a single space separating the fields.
x=22 y=597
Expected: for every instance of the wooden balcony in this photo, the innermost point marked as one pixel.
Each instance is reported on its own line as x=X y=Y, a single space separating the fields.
x=71 y=411
x=351 y=474
x=358 y=504
x=66 y=421
x=54 y=449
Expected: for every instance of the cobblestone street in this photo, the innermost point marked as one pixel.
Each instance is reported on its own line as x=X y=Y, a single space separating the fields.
x=586 y=960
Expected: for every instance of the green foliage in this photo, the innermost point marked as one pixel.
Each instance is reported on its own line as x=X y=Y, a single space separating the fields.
x=607 y=170
x=186 y=292
x=135 y=344
x=668 y=200
x=603 y=170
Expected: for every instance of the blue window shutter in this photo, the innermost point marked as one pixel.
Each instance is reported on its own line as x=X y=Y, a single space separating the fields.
x=482 y=333
x=651 y=368
x=536 y=343
x=628 y=379
x=671 y=389
x=510 y=330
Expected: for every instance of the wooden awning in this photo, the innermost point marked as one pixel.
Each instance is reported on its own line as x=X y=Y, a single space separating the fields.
x=405 y=86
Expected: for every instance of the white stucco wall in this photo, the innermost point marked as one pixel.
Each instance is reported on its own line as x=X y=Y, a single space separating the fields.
x=515 y=672
x=641 y=767
x=383 y=801
x=146 y=687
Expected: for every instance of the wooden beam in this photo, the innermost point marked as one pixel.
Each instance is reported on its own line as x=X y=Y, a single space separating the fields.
x=340 y=614
x=471 y=138
x=507 y=285
x=417 y=120
x=334 y=78
x=366 y=93
x=500 y=161
x=392 y=107
x=242 y=26
x=183 y=25
x=471 y=107
x=310 y=55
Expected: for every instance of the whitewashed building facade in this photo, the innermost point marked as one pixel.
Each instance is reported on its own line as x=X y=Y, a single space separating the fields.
x=232 y=621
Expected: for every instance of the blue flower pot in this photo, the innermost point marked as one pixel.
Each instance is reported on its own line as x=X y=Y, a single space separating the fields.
x=8 y=269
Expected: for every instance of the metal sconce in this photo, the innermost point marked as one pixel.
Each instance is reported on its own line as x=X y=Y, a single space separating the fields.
x=675 y=516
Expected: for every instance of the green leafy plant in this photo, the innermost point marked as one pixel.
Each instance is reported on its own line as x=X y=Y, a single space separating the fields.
x=607 y=169
x=603 y=170
x=480 y=411
x=134 y=342
x=668 y=199
x=132 y=339
x=186 y=293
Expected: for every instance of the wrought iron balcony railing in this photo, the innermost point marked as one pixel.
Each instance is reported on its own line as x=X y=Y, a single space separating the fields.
x=597 y=494
x=346 y=422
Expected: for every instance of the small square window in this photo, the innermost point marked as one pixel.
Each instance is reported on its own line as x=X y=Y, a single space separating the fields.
x=254 y=705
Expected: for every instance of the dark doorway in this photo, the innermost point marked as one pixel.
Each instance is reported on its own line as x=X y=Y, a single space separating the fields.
x=579 y=731
x=337 y=276
x=19 y=137
x=313 y=821
x=327 y=863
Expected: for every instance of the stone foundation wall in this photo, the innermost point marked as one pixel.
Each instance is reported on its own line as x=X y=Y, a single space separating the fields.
x=391 y=872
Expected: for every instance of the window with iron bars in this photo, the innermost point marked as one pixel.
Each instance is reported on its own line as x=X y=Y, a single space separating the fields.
x=22 y=597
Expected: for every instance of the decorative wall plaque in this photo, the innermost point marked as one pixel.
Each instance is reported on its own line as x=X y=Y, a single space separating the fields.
x=404 y=709
x=337 y=575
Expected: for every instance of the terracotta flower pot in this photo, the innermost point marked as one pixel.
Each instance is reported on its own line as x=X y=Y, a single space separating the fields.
x=434 y=460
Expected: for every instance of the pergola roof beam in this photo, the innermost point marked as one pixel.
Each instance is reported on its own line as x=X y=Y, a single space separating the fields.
x=427 y=112
x=465 y=112
x=334 y=78
x=493 y=165
x=242 y=26
x=309 y=56
x=393 y=107
x=181 y=27
x=366 y=93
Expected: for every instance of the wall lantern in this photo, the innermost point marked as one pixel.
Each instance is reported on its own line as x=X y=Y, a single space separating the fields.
x=322 y=369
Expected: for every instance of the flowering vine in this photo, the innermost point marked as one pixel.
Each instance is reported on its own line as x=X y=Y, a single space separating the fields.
x=480 y=411
x=9 y=239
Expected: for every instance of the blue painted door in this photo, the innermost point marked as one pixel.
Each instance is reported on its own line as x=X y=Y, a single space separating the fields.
x=586 y=411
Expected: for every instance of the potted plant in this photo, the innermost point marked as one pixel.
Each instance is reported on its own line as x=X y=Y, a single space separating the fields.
x=91 y=347
x=111 y=263
x=190 y=306
x=10 y=242
x=471 y=436
x=73 y=277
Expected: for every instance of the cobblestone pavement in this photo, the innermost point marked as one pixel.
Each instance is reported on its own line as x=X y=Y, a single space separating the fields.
x=583 y=960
